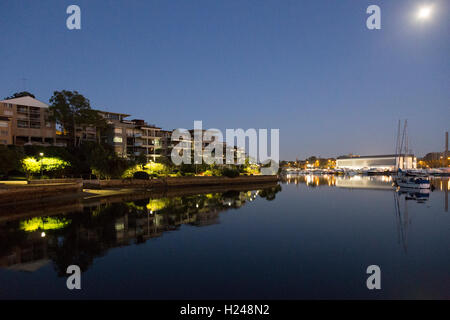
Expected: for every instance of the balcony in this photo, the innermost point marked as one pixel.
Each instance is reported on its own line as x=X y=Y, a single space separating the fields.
x=22 y=124
x=149 y=134
x=60 y=144
x=35 y=125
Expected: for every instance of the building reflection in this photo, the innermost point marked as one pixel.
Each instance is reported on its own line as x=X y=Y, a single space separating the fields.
x=311 y=180
x=360 y=182
x=64 y=239
x=442 y=185
x=402 y=197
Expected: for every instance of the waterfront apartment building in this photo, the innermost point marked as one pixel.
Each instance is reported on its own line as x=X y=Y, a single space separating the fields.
x=119 y=130
x=132 y=138
x=381 y=162
x=189 y=146
x=166 y=144
x=146 y=139
x=24 y=121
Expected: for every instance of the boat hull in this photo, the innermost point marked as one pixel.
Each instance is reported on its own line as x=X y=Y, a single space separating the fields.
x=413 y=185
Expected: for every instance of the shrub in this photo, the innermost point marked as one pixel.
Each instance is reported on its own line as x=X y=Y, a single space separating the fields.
x=50 y=165
x=188 y=174
x=230 y=173
x=156 y=168
x=141 y=175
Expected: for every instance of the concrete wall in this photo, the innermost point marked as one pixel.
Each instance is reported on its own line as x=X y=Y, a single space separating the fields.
x=52 y=181
x=176 y=181
x=386 y=163
x=21 y=192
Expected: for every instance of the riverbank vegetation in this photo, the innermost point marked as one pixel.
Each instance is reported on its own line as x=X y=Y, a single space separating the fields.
x=85 y=159
x=92 y=160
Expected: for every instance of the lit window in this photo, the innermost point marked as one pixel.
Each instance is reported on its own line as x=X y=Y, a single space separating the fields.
x=117 y=139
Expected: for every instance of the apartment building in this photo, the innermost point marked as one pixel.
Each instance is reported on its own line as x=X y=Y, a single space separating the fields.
x=118 y=131
x=166 y=145
x=24 y=121
x=239 y=153
x=149 y=140
x=132 y=137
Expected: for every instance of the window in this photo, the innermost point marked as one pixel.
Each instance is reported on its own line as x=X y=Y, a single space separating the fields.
x=117 y=139
x=8 y=113
x=22 y=124
x=3 y=124
x=3 y=132
x=22 y=109
x=35 y=125
x=117 y=130
x=112 y=116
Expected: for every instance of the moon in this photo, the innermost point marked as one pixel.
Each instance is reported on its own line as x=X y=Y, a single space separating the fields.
x=424 y=13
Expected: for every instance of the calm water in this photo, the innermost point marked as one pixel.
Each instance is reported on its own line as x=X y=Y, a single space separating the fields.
x=312 y=238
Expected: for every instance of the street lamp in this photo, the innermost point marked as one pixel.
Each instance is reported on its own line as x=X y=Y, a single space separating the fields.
x=41 y=154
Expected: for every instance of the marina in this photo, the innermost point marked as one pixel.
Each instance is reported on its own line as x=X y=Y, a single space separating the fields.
x=312 y=236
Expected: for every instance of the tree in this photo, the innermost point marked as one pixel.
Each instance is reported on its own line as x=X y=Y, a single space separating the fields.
x=72 y=111
x=50 y=165
x=105 y=163
x=93 y=119
x=270 y=193
x=20 y=94
x=9 y=159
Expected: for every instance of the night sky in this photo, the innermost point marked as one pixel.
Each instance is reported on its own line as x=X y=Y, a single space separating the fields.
x=310 y=68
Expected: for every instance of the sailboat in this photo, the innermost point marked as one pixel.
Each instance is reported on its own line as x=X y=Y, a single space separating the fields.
x=405 y=179
x=411 y=181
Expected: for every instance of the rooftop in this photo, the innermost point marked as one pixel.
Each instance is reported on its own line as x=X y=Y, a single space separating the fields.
x=26 y=101
x=374 y=156
x=110 y=112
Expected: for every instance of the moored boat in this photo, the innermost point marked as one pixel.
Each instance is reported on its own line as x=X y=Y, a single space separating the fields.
x=411 y=181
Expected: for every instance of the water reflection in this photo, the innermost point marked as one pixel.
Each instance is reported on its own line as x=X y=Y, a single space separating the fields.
x=402 y=196
x=373 y=183
x=363 y=182
x=68 y=237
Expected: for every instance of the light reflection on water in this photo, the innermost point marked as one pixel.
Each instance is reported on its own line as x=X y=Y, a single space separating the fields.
x=313 y=239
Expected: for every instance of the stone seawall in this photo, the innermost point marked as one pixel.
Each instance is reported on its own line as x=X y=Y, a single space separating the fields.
x=25 y=192
x=176 y=182
x=60 y=189
x=53 y=181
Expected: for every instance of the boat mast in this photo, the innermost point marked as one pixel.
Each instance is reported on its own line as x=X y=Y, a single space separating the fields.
x=397 y=145
x=403 y=142
x=406 y=145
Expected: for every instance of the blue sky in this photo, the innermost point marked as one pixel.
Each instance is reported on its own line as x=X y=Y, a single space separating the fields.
x=308 y=67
